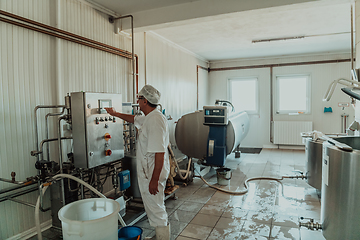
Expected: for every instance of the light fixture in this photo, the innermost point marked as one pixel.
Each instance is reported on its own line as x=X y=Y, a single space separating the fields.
x=277 y=39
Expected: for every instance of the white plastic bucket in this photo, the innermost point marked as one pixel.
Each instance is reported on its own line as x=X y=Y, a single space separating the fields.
x=94 y=218
x=223 y=176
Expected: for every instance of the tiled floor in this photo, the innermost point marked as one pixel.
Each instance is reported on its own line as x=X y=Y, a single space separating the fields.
x=268 y=211
x=201 y=212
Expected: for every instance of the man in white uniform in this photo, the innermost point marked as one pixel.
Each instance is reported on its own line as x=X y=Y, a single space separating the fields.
x=152 y=157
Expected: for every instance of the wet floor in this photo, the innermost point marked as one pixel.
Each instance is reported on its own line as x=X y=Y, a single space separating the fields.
x=268 y=211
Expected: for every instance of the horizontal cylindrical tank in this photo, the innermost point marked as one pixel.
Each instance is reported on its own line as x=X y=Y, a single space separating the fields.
x=191 y=135
x=313 y=152
x=340 y=193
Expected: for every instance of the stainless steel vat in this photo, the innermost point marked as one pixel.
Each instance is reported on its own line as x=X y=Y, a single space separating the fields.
x=191 y=135
x=340 y=193
x=313 y=152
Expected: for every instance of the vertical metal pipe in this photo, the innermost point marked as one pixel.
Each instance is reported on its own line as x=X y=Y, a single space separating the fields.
x=145 y=60
x=271 y=105
x=81 y=185
x=137 y=74
x=352 y=39
x=36 y=135
x=60 y=160
x=345 y=117
x=47 y=129
x=36 y=126
x=133 y=58
x=197 y=87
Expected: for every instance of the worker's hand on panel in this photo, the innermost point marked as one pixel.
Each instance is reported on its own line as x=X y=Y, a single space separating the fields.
x=111 y=111
x=153 y=187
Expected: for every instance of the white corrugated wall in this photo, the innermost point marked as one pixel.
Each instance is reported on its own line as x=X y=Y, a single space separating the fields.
x=37 y=69
x=173 y=71
x=25 y=70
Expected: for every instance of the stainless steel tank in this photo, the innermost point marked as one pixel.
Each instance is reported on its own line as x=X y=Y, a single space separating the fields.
x=313 y=152
x=191 y=135
x=340 y=193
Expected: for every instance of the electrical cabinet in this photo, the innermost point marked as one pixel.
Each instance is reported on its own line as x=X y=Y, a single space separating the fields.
x=97 y=136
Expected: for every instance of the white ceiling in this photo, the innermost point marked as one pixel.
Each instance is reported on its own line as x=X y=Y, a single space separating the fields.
x=326 y=25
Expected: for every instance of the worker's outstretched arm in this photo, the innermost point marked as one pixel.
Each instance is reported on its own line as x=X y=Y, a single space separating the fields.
x=154 y=182
x=126 y=117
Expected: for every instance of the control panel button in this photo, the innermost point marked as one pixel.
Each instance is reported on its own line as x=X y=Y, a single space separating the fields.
x=108 y=152
x=107 y=136
x=97 y=120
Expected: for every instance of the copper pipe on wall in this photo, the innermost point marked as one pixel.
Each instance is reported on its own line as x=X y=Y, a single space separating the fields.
x=65 y=38
x=197 y=84
x=11 y=181
x=279 y=65
x=112 y=20
x=76 y=39
x=62 y=31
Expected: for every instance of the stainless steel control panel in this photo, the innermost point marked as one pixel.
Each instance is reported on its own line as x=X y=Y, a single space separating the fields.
x=97 y=136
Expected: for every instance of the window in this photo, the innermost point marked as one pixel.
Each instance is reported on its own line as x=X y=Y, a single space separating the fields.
x=293 y=94
x=244 y=94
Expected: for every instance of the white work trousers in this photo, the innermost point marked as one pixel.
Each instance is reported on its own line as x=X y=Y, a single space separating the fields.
x=154 y=204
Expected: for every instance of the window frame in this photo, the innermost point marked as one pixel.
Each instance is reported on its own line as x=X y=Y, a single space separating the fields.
x=257 y=102
x=308 y=94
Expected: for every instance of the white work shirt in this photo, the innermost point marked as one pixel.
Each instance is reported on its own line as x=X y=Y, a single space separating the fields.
x=153 y=138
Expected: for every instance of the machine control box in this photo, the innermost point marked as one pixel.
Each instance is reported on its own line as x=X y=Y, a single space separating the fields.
x=215 y=115
x=97 y=136
x=124 y=179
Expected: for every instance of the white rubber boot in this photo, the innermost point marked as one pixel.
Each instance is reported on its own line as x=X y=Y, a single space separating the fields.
x=163 y=233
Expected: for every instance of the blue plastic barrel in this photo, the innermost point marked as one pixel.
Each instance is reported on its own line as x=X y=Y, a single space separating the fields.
x=130 y=233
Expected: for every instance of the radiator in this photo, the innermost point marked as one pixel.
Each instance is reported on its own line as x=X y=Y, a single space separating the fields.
x=289 y=132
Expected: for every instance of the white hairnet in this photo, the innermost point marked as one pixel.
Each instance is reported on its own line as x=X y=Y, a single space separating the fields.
x=151 y=94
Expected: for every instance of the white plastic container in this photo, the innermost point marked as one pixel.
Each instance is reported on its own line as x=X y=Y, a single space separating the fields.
x=94 y=218
x=223 y=176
